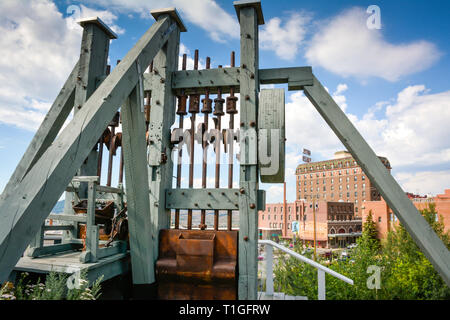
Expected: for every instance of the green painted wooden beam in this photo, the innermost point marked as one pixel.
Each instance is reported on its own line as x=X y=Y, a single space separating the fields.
x=136 y=177
x=26 y=207
x=296 y=78
x=249 y=176
x=221 y=199
x=422 y=233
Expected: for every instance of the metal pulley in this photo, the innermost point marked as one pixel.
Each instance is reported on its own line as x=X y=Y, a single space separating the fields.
x=271 y=135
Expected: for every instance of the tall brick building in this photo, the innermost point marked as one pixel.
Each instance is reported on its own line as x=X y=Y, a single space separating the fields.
x=385 y=220
x=339 y=179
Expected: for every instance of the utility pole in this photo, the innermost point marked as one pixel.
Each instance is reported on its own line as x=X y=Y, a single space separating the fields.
x=285 y=212
x=314 y=218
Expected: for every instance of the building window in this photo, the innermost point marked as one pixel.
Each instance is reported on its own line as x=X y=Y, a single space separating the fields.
x=356 y=193
x=332 y=187
x=268 y=209
x=281 y=209
x=348 y=179
x=324 y=195
x=340 y=180
x=268 y=217
x=356 y=200
x=363 y=177
x=262 y=217
x=274 y=217
x=332 y=195
x=356 y=209
x=289 y=226
x=346 y=171
x=289 y=209
x=270 y=224
x=324 y=188
x=356 y=186
x=340 y=195
x=355 y=178
x=363 y=194
x=348 y=194
x=275 y=209
x=379 y=219
x=332 y=180
x=348 y=187
x=281 y=225
x=289 y=217
x=340 y=187
x=340 y=171
x=364 y=185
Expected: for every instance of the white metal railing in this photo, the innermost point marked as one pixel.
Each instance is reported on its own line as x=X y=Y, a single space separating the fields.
x=321 y=270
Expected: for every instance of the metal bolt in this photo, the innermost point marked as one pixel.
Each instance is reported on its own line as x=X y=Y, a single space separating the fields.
x=245 y=238
x=242 y=124
x=222 y=193
x=209 y=193
x=252 y=76
x=161 y=80
x=249 y=36
x=182 y=193
x=79 y=107
x=196 y=204
x=247 y=97
x=209 y=204
x=157 y=102
x=252 y=123
x=242 y=190
x=236 y=205
x=236 y=193
x=169 y=193
x=252 y=206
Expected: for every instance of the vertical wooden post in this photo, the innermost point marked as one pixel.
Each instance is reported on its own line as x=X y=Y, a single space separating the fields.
x=92 y=65
x=162 y=117
x=250 y=16
x=91 y=227
x=136 y=177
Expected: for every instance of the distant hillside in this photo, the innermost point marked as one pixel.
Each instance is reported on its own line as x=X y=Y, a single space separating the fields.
x=59 y=207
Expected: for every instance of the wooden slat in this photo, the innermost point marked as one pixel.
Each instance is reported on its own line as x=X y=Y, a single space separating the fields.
x=31 y=200
x=220 y=199
x=68 y=217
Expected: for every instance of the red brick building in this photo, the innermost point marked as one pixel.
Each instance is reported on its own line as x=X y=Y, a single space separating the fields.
x=336 y=224
x=385 y=220
x=339 y=179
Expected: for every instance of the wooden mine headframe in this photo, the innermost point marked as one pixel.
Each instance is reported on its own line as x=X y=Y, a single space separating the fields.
x=53 y=158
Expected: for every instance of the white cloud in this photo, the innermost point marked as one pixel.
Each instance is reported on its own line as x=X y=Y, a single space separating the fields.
x=412 y=132
x=38 y=49
x=345 y=46
x=284 y=40
x=206 y=14
x=424 y=182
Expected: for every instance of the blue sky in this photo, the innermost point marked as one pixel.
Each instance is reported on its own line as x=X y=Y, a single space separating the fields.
x=392 y=82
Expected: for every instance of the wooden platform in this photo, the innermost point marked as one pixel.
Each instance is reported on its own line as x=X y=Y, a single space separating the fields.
x=69 y=262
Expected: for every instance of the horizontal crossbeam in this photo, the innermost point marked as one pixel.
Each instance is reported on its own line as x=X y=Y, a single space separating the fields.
x=208 y=199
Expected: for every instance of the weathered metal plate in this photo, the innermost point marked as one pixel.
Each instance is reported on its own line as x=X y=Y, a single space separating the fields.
x=271 y=135
x=197 y=264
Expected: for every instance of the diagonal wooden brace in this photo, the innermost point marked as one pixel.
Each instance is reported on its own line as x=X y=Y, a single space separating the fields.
x=23 y=210
x=422 y=233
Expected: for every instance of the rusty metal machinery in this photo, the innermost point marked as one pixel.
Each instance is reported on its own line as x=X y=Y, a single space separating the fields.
x=186 y=261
